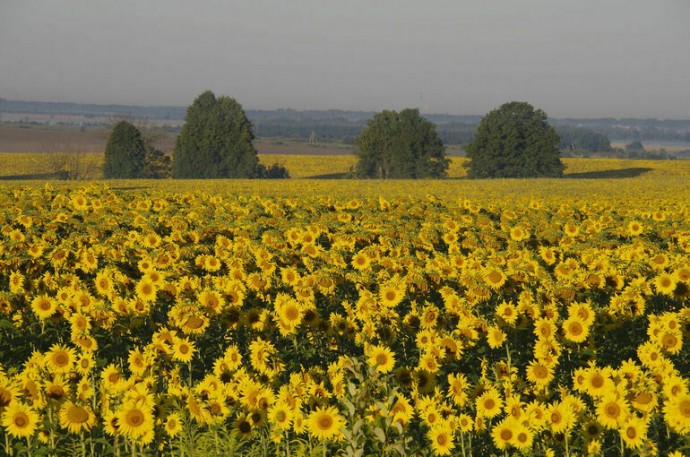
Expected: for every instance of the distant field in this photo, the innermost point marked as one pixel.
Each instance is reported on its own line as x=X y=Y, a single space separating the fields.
x=88 y=165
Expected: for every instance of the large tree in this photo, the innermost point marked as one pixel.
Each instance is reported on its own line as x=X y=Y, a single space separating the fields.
x=400 y=145
x=125 y=153
x=514 y=141
x=216 y=141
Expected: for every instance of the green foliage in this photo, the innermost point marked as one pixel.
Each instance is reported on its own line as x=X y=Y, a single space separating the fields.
x=275 y=171
x=158 y=164
x=400 y=145
x=582 y=139
x=216 y=141
x=514 y=141
x=125 y=154
x=635 y=146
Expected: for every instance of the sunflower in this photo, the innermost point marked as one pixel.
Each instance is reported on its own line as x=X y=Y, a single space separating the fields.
x=635 y=228
x=112 y=379
x=391 y=294
x=508 y=312
x=381 y=358
x=325 y=423
x=575 y=329
x=43 y=306
x=402 y=410
x=612 y=411
x=489 y=404
x=76 y=418
x=211 y=300
x=57 y=387
x=677 y=413
x=441 y=440
x=20 y=420
x=665 y=283
x=16 y=282
x=503 y=433
x=494 y=278
x=465 y=423
x=280 y=416
x=135 y=420
x=597 y=382
x=495 y=337
x=183 y=350
x=290 y=315
x=671 y=342
x=173 y=425
x=633 y=432
x=194 y=323
x=544 y=328
x=103 y=283
x=243 y=427
x=559 y=417
x=60 y=358
x=457 y=388
x=540 y=373
x=146 y=290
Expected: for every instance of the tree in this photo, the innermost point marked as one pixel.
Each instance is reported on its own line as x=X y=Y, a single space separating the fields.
x=400 y=145
x=582 y=139
x=514 y=141
x=125 y=153
x=215 y=141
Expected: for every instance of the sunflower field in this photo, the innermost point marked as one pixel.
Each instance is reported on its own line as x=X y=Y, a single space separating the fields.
x=539 y=317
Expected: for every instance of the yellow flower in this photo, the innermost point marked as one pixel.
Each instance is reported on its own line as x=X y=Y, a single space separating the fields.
x=441 y=440
x=325 y=423
x=559 y=417
x=20 y=420
x=508 y=312
x=489 y=404
x=540 y=373
x=43 y=306
x=494 y=278
x=183 y=350
x=457 y=388
x=60 y=358
x=633 y=431
x=135 y=420
x=612 y=411
x=280 y=416
x=146 y=290
x=575 y=329
x=173 y=425
x=391 y=294
x=665 y=283
x=381 y=358
x=677 y=413
x=504 y=433
x=495 y=337
x=76 y=418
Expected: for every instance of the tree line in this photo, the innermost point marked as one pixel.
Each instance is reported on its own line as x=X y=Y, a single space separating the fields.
x=514 y=140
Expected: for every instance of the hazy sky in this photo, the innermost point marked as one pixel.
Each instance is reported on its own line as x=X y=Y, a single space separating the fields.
x=581 y=58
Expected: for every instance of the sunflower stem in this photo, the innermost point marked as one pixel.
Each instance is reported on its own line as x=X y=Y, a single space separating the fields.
x=567 y=450
x=462 y=443
x=28 y=446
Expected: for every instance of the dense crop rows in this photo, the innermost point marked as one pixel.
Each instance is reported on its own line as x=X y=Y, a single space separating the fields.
x=156 y=321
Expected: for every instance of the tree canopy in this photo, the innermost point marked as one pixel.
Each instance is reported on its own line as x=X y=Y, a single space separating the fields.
x=125 y=153
x=514 y=141
x=215 y=141
x=400 y=145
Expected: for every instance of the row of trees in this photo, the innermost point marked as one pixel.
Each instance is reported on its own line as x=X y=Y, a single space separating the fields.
x=514 y=140
x=215 y=142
